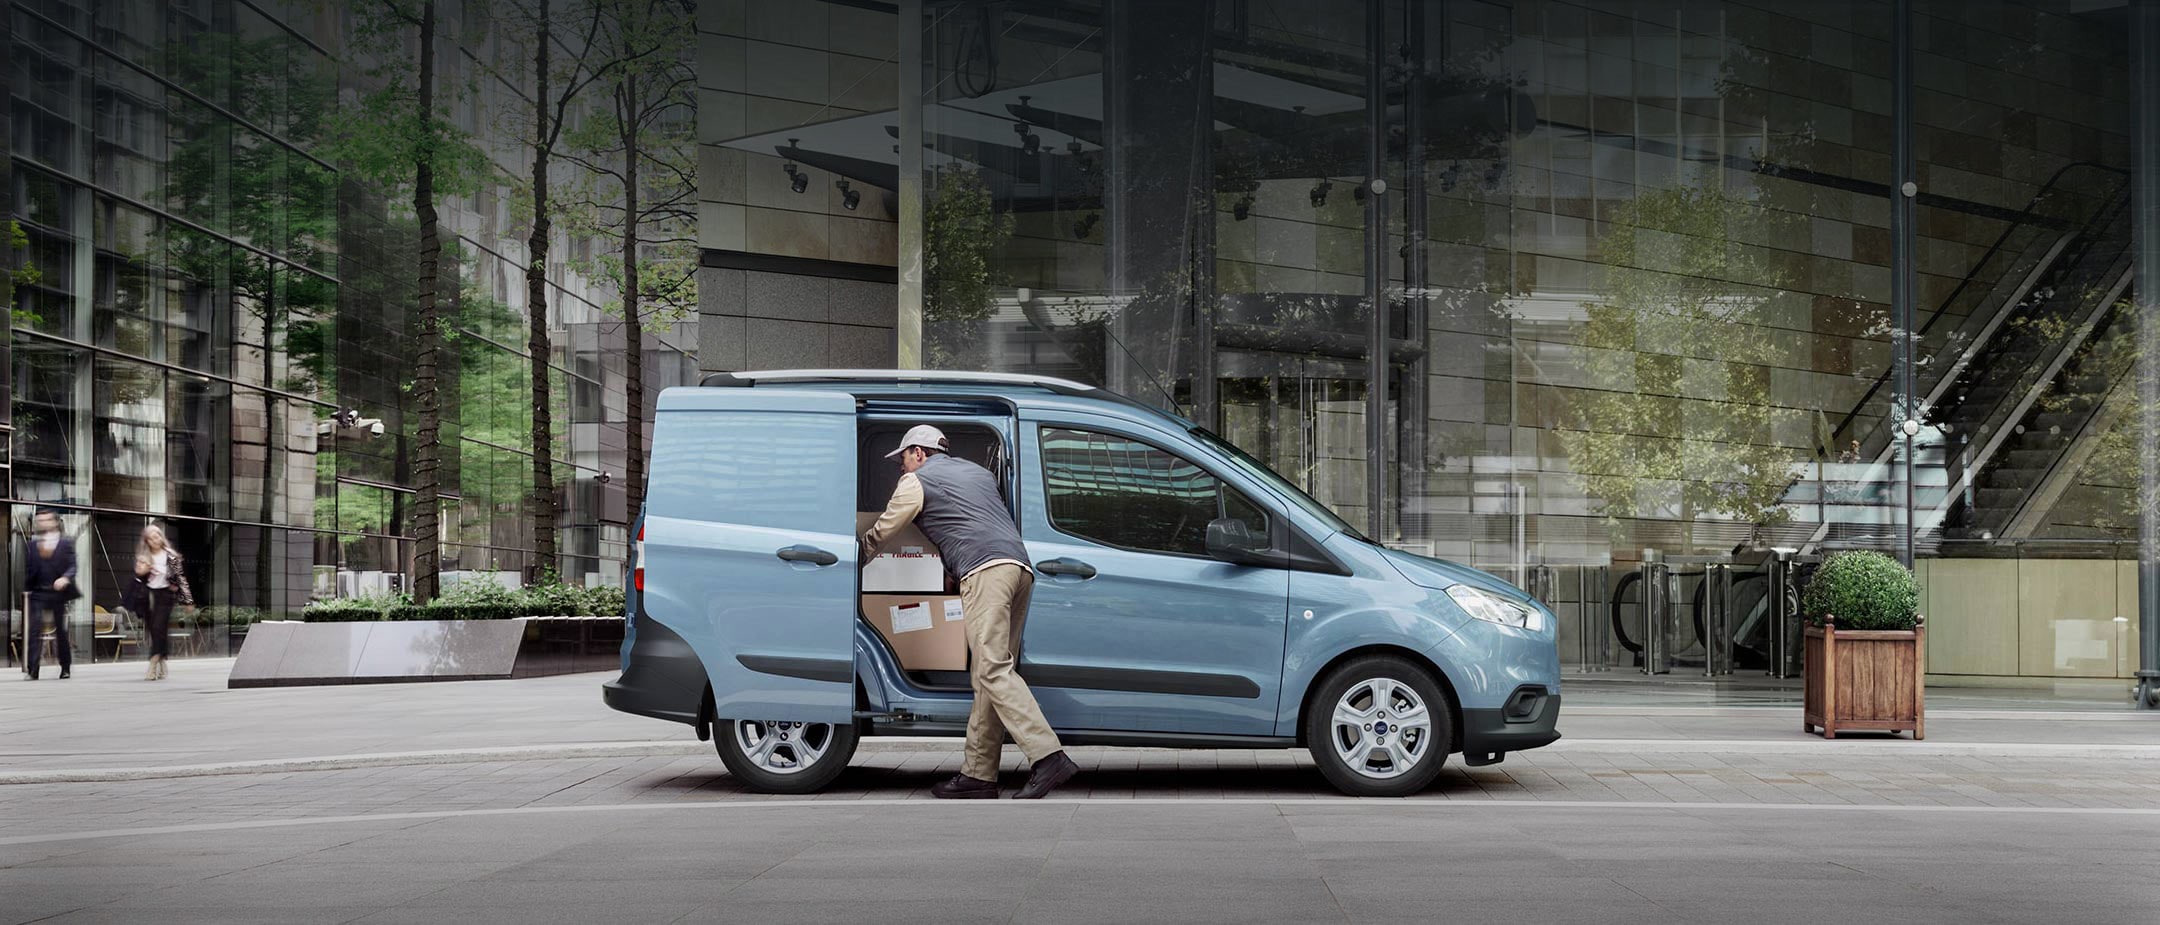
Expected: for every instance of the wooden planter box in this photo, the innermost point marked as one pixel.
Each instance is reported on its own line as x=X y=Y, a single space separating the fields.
x=1865 y=679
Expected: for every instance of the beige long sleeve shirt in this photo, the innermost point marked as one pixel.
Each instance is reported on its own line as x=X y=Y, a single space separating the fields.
x=899 y=512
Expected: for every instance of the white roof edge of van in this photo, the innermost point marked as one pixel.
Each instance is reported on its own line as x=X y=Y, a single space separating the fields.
x=902 y=375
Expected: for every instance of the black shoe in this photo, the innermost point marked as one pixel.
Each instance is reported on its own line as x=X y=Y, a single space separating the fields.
x=963 y=787
x=33 y=676
x=1053 y=770
x=66 y=673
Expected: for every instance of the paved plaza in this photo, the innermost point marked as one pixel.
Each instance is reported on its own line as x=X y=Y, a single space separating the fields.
x=527 y=801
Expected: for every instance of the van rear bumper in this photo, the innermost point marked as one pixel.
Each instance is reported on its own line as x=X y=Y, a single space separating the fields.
x=663 y=679
x=1527 y=723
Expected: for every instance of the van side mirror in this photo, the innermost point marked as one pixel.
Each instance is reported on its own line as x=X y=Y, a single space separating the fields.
x=1232 y=540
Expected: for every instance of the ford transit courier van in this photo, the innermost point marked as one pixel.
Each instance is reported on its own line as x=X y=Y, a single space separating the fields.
x=1186 y=595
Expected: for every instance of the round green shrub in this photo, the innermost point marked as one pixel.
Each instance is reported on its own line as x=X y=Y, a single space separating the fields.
x=1864 y=591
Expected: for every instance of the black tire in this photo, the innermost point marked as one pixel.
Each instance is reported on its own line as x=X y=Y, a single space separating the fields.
x=1429 y=756
x=839 y=747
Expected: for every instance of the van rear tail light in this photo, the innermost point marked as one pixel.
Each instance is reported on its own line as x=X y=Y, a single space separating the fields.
x=637 y=572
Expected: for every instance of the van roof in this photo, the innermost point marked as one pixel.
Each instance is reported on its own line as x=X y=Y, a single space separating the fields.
x=992 y=382
x=949 y=376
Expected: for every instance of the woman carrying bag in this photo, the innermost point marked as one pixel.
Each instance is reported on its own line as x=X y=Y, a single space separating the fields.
x=160 y=582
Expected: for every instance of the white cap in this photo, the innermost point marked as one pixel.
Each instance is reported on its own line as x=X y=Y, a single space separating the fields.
x=922 y=435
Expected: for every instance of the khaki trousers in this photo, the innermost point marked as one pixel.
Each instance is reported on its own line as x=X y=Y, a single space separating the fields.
x=995 y=600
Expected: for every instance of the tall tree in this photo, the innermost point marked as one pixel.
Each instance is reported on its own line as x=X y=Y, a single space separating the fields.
x=1681 y=315
x=638 y=153
x=556 y=87
x=397 y=136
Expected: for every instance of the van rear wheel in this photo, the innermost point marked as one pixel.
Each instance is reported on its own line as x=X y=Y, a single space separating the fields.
x=773 y=756
x=1379 y=727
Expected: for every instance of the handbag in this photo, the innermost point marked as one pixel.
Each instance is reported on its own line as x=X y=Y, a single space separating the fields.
x=137 y=597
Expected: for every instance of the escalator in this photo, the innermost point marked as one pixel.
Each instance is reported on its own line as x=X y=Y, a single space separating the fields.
x=2005 y=389
x=1996 y=405
x=2027 y=402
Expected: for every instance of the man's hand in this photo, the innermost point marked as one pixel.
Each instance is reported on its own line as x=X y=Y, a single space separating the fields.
x=60 y=584
x=869 y=552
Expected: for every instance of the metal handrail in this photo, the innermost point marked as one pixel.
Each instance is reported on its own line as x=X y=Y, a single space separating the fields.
x=2026 y=216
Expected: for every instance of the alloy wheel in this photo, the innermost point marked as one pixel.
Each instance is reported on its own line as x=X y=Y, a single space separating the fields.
x=782 y=747
x=1381 y=728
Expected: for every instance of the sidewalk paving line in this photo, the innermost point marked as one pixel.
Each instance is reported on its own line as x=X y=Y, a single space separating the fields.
x=1874 y=747
x=1737 y=710
x=1070 y=805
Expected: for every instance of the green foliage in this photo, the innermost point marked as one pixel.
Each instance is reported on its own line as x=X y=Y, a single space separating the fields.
x=386 y=135
x=480 y=591
x=233 y=616
x=962 y=233
x=1678 y=420
x=22 y=273
x=1865 y=591
x=558 y=599
x=606 y=600
x=2105 y=494
x=351 y=610
x=474 y=599
x=645 y=119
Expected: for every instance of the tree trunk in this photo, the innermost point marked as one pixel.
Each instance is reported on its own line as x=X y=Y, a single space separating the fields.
x=537 y=342
x=634 y=330
x=272 y=453
x=427 y=450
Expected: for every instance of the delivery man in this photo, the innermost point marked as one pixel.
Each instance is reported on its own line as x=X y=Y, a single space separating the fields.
x=955 y=503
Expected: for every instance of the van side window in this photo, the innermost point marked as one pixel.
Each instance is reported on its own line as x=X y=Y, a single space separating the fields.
x=1122 y=492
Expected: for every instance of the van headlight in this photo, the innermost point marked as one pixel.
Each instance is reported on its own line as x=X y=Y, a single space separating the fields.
x=1493 y=608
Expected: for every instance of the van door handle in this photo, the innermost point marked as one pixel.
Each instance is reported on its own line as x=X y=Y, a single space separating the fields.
x=810 y=554
x=1063 y=566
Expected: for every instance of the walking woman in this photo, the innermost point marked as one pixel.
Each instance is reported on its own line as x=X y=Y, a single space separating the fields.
x=161 y=582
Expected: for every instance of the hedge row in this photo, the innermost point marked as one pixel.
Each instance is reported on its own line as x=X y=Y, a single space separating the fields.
x=464 y=601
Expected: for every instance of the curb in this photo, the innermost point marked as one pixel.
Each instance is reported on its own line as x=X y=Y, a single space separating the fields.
x=1881 y=747
x=646 y=749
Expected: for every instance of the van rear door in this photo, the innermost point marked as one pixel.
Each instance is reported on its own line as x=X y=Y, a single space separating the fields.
x=750 y=546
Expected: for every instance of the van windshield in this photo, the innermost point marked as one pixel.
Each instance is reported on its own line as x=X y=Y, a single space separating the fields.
x=1251 y=466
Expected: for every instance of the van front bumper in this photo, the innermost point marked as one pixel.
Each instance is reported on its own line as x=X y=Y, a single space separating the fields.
x=1527 y=721
x=663 y=678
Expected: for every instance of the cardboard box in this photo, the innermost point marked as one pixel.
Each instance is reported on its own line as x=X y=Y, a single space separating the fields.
x=927 y=631
x=908 y=563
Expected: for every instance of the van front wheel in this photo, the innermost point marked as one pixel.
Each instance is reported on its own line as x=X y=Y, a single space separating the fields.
x=1379 y=727
x=772 y=756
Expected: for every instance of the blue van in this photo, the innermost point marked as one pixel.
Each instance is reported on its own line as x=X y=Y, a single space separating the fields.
x=1187 y=595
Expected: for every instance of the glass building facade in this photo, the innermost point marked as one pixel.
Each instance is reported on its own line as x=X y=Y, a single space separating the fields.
x=215 y=333
x=1560 y=287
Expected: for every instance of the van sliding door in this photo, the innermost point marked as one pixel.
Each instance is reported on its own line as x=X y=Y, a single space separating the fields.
x=750 y=546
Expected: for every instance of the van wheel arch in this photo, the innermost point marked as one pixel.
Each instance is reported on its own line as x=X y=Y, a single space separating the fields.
x=1447 y=687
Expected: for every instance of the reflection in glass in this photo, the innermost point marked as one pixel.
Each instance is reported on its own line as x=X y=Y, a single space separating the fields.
x=128 y=433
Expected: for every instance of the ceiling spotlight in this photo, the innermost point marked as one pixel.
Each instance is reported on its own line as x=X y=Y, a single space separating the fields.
x=797 y=179
x=1319 y=193
x=849 y=198
x=1242 y=210
x=1073 y=147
